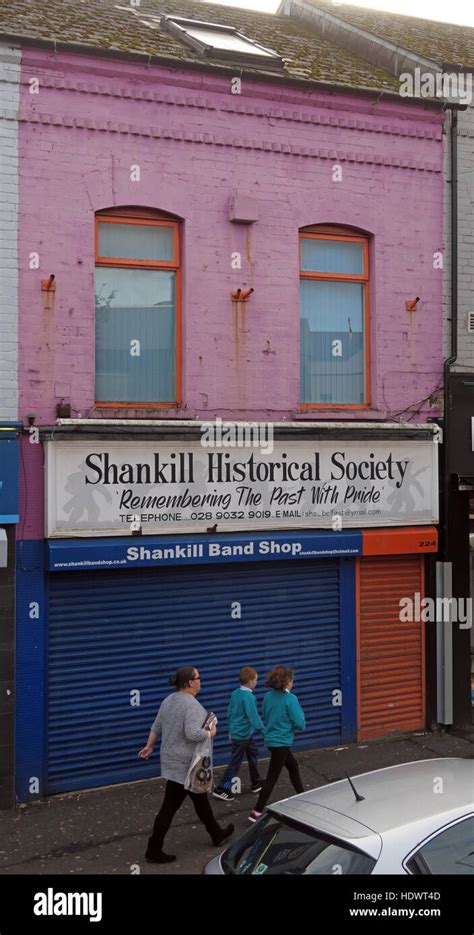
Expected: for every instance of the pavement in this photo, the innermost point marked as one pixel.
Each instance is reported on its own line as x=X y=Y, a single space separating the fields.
x=105 y=831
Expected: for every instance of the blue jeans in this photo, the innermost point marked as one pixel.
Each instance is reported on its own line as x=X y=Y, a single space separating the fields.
x=240 y=749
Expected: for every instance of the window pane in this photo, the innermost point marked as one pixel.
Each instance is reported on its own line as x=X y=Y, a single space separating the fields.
x=276 y=847
x=332 y=256
x=452 y=851
x=136 y=241
x=224 y=40
x=332 y=372
x=135 y=305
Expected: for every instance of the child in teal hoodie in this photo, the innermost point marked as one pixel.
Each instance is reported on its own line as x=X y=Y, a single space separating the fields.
x=244 y=721
x=282 y=714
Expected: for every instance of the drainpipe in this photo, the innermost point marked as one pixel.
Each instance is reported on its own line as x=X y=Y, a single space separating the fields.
x=454 y=309
x=444 y=582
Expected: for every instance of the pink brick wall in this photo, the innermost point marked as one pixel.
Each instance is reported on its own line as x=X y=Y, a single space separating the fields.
x=196 y=143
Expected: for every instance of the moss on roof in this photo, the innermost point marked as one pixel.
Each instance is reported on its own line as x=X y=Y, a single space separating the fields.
x=440 y=42
x=102 y=24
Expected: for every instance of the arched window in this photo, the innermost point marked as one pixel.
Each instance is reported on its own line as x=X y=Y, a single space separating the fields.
x=138 y=330
x=334 y=310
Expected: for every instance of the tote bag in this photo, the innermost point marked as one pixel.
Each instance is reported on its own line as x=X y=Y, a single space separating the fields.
x=199 y=776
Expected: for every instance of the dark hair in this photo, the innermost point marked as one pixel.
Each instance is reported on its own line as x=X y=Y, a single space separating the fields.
x=182 y=676
x=279 y=677
x=246 y=674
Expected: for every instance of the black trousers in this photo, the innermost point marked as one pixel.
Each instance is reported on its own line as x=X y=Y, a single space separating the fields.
x=175 y=794
x=280 y=757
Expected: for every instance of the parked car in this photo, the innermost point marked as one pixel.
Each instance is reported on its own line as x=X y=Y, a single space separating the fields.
x=414 y=818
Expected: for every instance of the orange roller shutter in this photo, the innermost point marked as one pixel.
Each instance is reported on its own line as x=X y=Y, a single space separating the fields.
x=391 y=665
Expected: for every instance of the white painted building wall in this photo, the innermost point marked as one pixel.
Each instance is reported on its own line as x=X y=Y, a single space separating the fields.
x=10 y=69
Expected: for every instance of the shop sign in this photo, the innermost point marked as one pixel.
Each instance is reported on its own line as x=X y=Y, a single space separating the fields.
x=148 y=552
x=9 y=458
x=99 y=488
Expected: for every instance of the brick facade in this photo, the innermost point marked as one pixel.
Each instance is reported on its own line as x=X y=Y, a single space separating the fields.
x=10 y=67
x=196 y=144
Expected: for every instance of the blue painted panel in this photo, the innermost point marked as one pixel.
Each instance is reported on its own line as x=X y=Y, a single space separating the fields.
x=348 y=651
x=117 y=633
x=9 y=460
x=30 y=671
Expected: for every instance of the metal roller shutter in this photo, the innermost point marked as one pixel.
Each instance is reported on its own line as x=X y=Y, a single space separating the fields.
x=392 y=667
x=115 y=633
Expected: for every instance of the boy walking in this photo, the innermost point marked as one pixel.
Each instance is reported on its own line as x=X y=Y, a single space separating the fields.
x=244 y=721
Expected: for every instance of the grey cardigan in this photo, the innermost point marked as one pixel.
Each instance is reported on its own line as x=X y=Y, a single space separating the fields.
x=179 y=721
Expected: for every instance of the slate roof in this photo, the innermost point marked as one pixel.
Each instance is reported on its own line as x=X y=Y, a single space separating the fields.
x=444 y=43
x=99 y=24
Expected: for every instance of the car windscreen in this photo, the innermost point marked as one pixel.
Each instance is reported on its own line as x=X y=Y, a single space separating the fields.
x=278 y=845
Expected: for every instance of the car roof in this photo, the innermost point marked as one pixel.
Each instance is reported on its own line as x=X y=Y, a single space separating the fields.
x=395 y=796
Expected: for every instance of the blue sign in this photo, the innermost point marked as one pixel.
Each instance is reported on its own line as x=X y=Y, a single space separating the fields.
x=9 y=460
x=153 y=551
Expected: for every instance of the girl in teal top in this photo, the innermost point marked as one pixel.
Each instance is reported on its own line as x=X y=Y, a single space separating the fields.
x=282 y=715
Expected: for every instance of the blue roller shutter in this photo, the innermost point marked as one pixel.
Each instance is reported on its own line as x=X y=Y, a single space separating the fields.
x=115 y=637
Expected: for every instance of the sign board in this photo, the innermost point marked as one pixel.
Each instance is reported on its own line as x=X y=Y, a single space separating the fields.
x=147 y=552
x=460 y=425
x=101 y=488
x=9 y=460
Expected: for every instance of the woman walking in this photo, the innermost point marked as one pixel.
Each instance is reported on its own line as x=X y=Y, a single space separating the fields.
x=180 y=721
x=282 y=715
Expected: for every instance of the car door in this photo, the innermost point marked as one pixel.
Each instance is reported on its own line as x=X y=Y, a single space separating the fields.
x=449 y=849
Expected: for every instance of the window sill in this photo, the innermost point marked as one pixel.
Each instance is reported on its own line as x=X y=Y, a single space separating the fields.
x=137 y=405
x=140 y=411
x=343 y=414
x=330 y=407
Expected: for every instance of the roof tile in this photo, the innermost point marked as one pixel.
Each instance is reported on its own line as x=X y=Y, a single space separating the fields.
x=108 y=24
x=441 y=42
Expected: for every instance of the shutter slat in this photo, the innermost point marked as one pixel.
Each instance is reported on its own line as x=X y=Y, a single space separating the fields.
x=114 y=632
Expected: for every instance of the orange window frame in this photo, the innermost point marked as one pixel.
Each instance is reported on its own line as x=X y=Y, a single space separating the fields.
x=345 y=277
x=173 y=265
